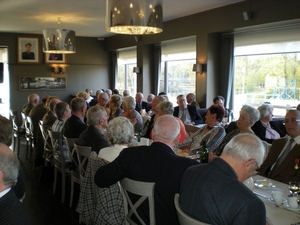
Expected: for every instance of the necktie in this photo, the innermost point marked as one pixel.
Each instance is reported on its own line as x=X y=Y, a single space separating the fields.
x=283 y=155
x=183 y=116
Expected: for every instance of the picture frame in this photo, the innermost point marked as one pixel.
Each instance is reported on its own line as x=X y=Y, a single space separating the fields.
x=28 y=50
x=27 y=83
x=55 y=58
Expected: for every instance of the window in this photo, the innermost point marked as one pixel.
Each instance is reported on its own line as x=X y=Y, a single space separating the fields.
x=267 y=69
x=126 y=79
x=177 y=76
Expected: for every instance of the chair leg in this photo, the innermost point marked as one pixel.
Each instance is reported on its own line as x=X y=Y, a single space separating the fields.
x=27 y=146
x=63 y=188
x=72 y=192
x=18 y=145
x=55 y=180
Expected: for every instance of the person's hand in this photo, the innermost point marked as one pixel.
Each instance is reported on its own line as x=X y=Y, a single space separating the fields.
x=211 y=156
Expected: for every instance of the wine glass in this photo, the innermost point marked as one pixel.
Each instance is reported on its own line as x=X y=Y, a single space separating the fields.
x=294 y=187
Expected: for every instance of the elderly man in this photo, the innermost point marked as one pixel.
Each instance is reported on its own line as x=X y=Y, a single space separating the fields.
x=126 y=93
x=140 y=104
x=75 y=125
x=102 y=99
x=50 y=117
x=214 y=193
x=282 y=162
x=187 y=113
x=191 y=100
x=93 y=135
x=33 y=100
x=155 y=163
x=11 y=210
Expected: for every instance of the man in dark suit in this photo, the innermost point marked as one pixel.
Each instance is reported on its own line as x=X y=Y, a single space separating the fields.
x=140 y=104
x=75 y=125
x=214 y=193
x=155 y=163
x=283 y=162
x=93 y=136
x=11 y=210
x=187 y=113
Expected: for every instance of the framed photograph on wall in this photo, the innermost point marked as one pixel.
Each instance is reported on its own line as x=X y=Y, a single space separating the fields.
x=42 y=83
x=28 y=50
x=55 y=58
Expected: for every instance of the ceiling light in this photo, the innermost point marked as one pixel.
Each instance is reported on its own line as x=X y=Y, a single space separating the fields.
x=136 y=17
x=59 y=41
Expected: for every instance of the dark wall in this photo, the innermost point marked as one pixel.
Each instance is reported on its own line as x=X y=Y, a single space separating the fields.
x=87 y=68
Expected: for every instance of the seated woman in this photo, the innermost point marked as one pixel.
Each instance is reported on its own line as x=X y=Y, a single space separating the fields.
x=115 y=103
x=130 y=113
x=166 y=108
x=265 y=128
x=213 y=131
x=248 y=116
x=219 y=100
x=119 y=135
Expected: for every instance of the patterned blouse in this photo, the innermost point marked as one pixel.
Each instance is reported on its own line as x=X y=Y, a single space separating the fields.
x=213 y=138
x=218 y=151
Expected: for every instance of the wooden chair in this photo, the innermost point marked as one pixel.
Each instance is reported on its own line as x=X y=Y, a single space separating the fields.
x=146 y=191
x=60 y=164
x=83 y=154
x=183 y=218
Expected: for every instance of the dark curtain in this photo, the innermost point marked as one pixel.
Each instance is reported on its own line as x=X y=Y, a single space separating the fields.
x=157 y=69
x=114 y=68
x=227 y=67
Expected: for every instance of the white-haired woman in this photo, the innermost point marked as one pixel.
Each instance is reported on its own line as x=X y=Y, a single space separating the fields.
x=130 y=113
x=119 y=135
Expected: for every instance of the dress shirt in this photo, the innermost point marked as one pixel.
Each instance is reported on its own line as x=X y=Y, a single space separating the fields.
x=2 y=193
x=184 y=115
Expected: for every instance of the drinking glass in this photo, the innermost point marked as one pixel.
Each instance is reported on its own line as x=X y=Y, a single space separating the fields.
x=294 y=187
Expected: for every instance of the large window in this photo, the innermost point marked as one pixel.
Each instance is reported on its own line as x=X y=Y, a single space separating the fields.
x=177 y=76
x=126 y=79
x=267 y=69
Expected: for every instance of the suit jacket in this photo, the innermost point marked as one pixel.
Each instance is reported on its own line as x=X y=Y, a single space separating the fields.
x=194 y=114
x=49 y=118
x=155 y=163
x=94 y=138
x=145 y=105
x=11 y=210
x=286 y=171
x=74 y=127
x=260 y=131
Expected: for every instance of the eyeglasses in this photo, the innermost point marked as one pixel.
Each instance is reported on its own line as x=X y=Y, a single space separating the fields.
x=292 y=121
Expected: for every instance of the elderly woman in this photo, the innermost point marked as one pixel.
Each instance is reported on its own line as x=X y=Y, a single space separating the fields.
x=248 y=116
x=120 y=135
x=212 y=132
x=166 y=108
x=135 y=118
x=265 y=129
x=115 y=103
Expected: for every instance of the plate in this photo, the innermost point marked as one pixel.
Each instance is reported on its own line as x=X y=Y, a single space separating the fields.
x=286 y=205
x=263 y=184
x=284 y=201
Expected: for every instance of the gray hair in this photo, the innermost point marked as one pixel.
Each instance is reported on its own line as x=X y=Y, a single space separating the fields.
x=244 y=147
x=160 y=98
x=94 y=114
x=265 y=109
x=166 y=107
x=126 y=93
x=9 y=165
x=120 y=131
x=82 y=94
x=167 y=128
x=104 y=96
x=5 y=131
x=116 y=99
x=129 y=102
x=60 y=108
x=251 y=113
x=294 y=111
x=77 y=104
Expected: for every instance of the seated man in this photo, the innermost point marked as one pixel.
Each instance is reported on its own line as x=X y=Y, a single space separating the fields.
x=191 y=100
x=187 y=113
x=11 y=209
x=33 y=100
x=219 y=100
x=282 y=162
x=155 y=163
x=93 y=135
x=214 y=193
x=75 y=125
x=140 y=104
x=50 y=117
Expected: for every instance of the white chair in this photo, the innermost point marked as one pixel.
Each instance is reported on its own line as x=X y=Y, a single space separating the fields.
x=183 y=218
x=48 y=151
x=146 y=191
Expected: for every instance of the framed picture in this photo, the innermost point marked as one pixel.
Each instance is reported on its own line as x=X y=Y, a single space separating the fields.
x=42 y=83
x=28 y=50
x=55 y=58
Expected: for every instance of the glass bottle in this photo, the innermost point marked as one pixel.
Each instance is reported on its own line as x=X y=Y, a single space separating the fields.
x=204 y=152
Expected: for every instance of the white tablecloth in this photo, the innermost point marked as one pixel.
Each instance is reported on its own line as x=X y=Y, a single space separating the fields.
x=281 y=215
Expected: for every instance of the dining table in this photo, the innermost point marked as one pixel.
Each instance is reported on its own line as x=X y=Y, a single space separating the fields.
x=277 y=214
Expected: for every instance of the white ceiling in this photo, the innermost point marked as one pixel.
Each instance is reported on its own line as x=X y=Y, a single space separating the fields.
x=86 y=17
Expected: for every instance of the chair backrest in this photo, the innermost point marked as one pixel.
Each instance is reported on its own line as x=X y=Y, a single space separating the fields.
x=57 y=147
x=29 y=126
x=12 y=118
x=23 y=120
x=83 y=154
x=45 y=135
x=70 y=143
x=183 y=218
x=146 y=191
